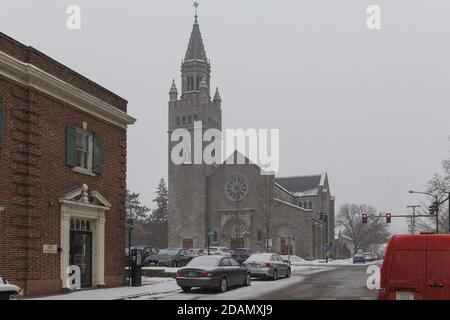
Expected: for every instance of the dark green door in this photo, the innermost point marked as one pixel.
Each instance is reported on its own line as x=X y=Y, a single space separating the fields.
x=81 y=255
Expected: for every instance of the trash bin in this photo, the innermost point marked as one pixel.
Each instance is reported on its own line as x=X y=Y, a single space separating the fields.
x=136 y=267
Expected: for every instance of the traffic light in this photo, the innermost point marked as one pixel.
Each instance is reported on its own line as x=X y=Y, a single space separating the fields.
x=388 y=217
x=434 y=208
x=364 y=218
x=322 y=214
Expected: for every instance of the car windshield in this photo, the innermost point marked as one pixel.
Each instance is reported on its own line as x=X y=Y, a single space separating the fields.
x=260 y=257
x=169 y=252
x=206 y=261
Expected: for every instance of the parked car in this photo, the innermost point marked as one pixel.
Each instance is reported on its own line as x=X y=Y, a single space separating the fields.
x=370 y=256
x=220 y=251
x=359 y=258
x=146 y=251
x=7 y=290
x=415 y=267
x=218 y=272
x=267 y=265
x=197 y=251
x=170 y=257
x=241 y=254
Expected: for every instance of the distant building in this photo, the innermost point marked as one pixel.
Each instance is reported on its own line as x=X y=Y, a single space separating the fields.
x=233 y=204
x=313 y=193
x=62 y=174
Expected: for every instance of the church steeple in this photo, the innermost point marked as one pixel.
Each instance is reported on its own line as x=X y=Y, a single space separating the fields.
x=196 y=49
x=195 y=67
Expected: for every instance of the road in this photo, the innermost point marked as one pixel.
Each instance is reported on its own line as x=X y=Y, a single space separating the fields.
x=342 y=282
x=307 y=283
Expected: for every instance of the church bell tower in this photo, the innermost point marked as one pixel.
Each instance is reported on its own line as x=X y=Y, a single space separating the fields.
x=188 y=181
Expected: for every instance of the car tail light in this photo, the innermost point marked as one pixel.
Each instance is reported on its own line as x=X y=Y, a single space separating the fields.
x=206 y=274
x=179 y=273
x=267 y=265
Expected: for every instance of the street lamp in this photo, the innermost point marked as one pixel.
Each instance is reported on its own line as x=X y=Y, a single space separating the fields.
x=437 y=201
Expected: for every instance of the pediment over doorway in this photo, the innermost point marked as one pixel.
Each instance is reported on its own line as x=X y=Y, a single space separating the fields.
x=82 y=195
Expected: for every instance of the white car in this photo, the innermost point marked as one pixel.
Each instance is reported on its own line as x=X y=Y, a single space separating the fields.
x=218 y=251
x=267 y=265
x=7 y=290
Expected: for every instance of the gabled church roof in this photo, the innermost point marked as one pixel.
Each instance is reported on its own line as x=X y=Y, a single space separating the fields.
x=303 y=185
x=196 y=49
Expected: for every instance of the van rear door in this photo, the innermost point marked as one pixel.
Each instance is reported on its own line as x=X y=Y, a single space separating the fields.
x=405 y=270
x=438 y=267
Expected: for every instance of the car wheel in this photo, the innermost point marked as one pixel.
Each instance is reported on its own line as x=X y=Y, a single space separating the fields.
x=186 y=289
x=288 y=273
x=275 y=275
x=174 y=264
x=223 y=286
x=248 y=279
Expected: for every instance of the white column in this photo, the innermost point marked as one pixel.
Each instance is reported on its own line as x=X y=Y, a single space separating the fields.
x=65 y=245
x=100 y=238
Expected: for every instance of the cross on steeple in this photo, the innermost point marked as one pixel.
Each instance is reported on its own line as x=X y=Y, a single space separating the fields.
x=196 y=4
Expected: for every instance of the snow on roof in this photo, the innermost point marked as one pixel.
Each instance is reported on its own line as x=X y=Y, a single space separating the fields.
x=306 y=193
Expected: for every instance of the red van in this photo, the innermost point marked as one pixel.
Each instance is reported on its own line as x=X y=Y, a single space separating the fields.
x=416 y=267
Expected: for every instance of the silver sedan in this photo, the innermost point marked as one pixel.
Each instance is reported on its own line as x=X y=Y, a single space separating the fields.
x=267 y=265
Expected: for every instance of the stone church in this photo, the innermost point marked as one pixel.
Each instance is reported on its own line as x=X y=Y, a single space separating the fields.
x=233 y=204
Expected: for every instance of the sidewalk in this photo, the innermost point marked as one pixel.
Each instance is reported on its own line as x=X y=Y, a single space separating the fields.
x=149 y=286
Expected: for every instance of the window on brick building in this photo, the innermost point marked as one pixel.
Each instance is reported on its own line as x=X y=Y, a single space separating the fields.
x=84 y=151
x=83 y=147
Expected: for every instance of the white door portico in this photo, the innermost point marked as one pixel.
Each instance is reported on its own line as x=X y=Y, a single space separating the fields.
x=82 y=203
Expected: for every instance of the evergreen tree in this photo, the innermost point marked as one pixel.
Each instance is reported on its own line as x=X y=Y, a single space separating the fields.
x=159 y=214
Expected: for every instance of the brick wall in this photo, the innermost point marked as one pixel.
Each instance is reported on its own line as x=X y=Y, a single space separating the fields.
x=33 y=172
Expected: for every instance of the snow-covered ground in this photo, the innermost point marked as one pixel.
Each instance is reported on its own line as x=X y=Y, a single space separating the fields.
x=257 y=288
x=167 y=288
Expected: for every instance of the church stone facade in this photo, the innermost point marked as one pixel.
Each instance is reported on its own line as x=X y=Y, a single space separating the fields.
x=233 y=204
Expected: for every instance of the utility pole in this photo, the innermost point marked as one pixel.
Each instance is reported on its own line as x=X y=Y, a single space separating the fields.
x=413 y=218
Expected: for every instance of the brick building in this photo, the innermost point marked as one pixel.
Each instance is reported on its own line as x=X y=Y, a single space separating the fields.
x=62 y=174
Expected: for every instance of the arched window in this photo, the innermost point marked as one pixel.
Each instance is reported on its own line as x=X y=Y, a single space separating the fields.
x=178 y=121
x=300 y=204
x=198 y=83
x=188 y=83
x=184 y=120
x=310 y=205
x=190 y=119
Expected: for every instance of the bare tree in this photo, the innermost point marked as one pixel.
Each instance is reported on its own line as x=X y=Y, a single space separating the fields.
x=439 y=185
x=268 y=204
x=363 y=235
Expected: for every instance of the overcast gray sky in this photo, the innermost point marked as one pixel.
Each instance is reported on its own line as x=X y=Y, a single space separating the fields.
x=369 y=107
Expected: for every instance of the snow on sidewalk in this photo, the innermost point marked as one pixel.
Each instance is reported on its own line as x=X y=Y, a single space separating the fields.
x=149 y=286
x=167 y=288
